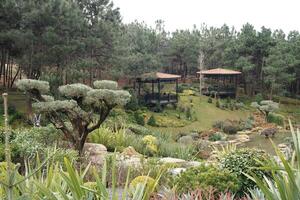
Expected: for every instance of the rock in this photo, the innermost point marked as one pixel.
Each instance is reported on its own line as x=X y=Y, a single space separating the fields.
x=195 y=135
x=129 y=162
x=257 y=129
x=96 y=153
x=130 y=151
x=269 y=132
x=187 y=139
x=243 y=138
x=176 y=171
x=94 y=149
x=97 y=160
x=172 y=160
x=246 y=132
x=192 y=164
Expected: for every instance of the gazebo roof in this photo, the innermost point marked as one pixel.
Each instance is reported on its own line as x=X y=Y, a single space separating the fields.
x=219 y=71
x=159 y=75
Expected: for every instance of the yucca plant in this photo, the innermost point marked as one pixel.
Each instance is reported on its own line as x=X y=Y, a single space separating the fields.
x=284 y=183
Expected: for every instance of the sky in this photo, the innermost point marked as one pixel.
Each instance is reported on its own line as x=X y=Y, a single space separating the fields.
x=183 y=14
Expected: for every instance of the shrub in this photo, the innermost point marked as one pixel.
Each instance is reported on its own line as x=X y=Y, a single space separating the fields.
x=133 y=104
x=259 y=97
x=230 y=127
x=245 y=161
x=138 y=129
x=276 y=119
x=209 y=100
x=218 y=104
x=218 y=124
x=248 y=123
x=139 y=119
x=151 y=144
x=176 y=150
x=152 y=121
x=188 y=113
x=215 y=137
x=141 y=180
x=205 y=177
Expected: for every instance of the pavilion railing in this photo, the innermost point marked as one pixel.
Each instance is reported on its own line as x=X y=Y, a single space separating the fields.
x=164 y=98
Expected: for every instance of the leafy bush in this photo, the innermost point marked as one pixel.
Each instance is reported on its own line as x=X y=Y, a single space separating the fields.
x=205 y=177
x=248 y=123
x=259 y=97
x=228 y=126
x=215 y=137
x=138 y=129
x=218 y=103
x=139 y=119
x=276 y=119
x=245 y=161
x=140 y=180
x=152 y=121
x=133 y=104
x=176 y=150
x=36 y=139
x=209 y=100
x=231 y=127
x=151 y=144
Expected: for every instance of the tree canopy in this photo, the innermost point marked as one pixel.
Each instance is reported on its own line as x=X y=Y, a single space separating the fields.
x=68 y=41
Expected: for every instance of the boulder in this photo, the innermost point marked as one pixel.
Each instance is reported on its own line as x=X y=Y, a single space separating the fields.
x=176 y=171
x=269 y=132
x=192 y=164
x=130 y=151
x=195 y=135
x=96 y=153
x=243 y=138
x=170 y=160
x=129 y=161
x=245 y=132
x=187 y=139
x=94 y=149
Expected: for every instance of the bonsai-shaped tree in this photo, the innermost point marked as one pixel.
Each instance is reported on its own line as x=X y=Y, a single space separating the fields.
x=82 y=109
x=266 y=107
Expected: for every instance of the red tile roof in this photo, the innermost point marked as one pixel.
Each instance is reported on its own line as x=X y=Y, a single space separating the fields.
x=219 y=71
x=159 y=75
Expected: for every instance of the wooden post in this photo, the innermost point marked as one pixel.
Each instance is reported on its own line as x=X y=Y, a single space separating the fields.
x=177 y=90
x=7 y=149
x=152 y=82
x=158 y=89
x=200 y=83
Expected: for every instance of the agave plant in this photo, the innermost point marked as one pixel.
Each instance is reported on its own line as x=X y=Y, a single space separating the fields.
x=284 y=183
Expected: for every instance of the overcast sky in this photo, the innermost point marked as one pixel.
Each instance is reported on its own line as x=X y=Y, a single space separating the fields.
x=183 y=14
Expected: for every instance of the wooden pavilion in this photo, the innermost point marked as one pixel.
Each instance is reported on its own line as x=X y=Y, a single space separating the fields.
x=154 y=95
x=219 y=82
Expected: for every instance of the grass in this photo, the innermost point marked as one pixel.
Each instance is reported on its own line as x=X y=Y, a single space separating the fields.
x=206 y=114
x=17 y=99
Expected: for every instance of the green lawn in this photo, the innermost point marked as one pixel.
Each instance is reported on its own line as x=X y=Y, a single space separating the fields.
x=206 y=114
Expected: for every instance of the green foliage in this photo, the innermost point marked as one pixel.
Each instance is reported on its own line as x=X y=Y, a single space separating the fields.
x=215 y=137
x=283 y=183
x=84 y=110
x=276 y=119
x=205 y=177
x=209 y=100
x=152 y=121
x=133 y=104
x=228 y=126
x=218 y=103
x=139 y=118
x=242 y=162
x=259 y=97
